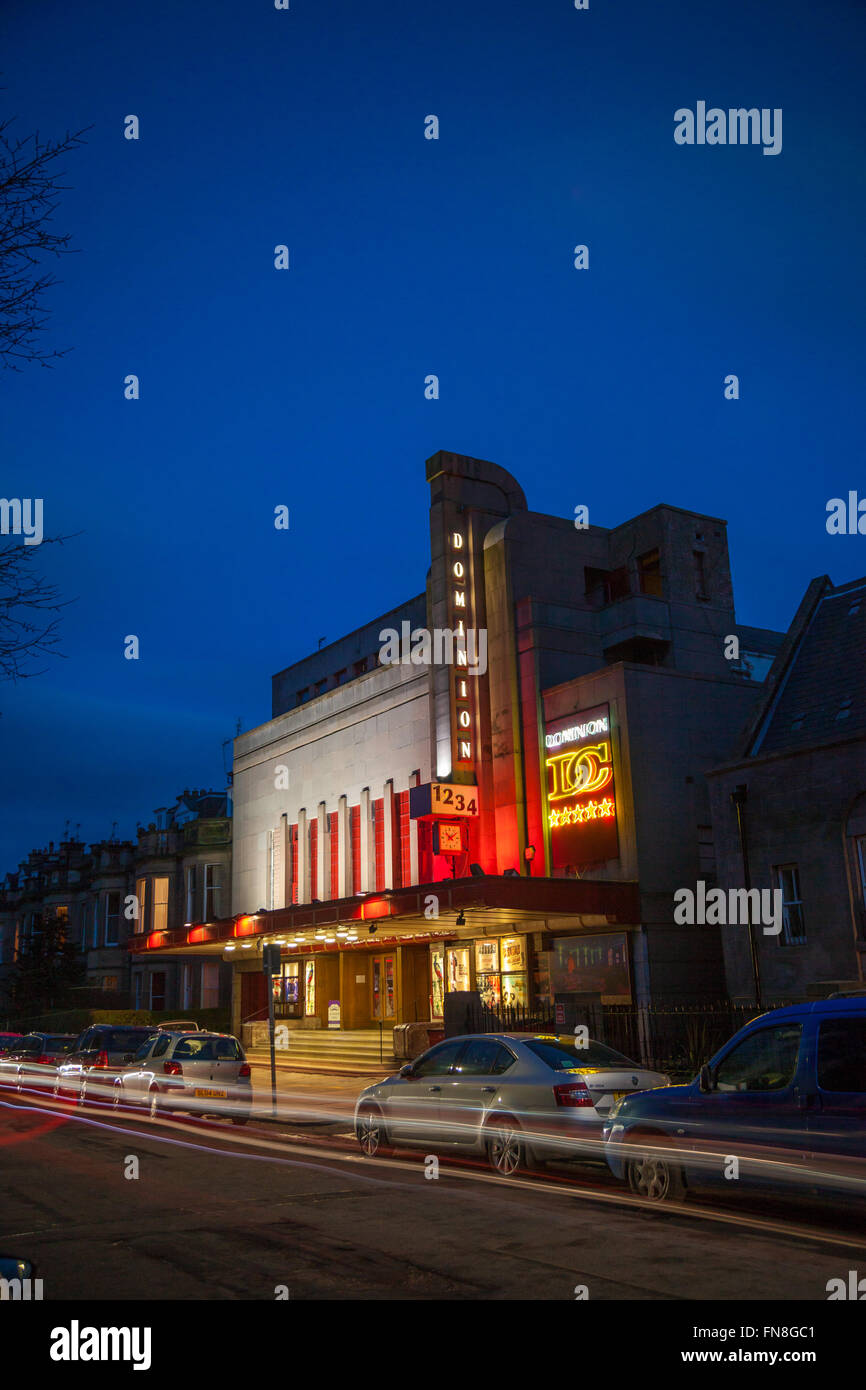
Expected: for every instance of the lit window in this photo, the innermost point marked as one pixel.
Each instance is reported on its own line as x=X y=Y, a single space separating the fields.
x=160 y=904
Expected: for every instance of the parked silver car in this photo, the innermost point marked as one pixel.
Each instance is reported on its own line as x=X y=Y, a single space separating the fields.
x=201 y=1073
x=521 y=1098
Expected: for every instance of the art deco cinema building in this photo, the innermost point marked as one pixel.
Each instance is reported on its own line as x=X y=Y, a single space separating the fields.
x=514 y=813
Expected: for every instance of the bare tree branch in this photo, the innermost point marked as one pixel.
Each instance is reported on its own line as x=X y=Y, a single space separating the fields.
x=29 y=190
x=27 y=601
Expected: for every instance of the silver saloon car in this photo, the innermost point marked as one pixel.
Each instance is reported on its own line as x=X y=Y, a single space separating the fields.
x=520 y=1098
x=194 y=1073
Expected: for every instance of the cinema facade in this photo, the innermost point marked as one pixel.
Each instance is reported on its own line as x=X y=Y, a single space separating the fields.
x=499 y=784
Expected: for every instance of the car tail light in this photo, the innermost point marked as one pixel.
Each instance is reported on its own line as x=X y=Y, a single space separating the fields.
x=101 y=1059
x=576 y=1093
x=44 y=1059
x=244 y=1069
x=172 y=1068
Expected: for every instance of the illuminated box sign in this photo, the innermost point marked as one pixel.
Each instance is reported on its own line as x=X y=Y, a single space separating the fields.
x=442 y=799
x=581 y=801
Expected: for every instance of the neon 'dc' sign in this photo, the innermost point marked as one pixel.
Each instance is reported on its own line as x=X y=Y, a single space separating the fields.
x=581 y=802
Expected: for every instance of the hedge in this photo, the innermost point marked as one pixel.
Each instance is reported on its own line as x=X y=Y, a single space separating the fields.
x=76 y=1020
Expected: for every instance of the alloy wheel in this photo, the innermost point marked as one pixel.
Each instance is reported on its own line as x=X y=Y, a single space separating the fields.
x=655 y=1179
x=505 y=1149
x=370 y=1132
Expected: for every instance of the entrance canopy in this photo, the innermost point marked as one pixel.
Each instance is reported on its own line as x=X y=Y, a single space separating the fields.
x=448 y=909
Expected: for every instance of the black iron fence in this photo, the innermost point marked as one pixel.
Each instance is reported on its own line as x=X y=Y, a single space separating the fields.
x=672 y=1038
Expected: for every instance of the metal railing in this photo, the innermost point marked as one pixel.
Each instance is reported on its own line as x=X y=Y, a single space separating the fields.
x=676 y=1038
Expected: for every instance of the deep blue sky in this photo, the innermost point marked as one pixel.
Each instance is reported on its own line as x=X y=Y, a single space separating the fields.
x=408 y=257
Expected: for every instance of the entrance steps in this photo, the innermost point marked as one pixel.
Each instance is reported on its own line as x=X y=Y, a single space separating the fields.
x=354 y=1052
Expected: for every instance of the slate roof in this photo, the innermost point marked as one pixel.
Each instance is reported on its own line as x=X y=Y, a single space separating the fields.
x=817 y=688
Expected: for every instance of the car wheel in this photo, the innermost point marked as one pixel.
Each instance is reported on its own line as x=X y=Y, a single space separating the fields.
x=370 y=1131
x=656 y=1179
x=506 y=1148
x=155 y=1108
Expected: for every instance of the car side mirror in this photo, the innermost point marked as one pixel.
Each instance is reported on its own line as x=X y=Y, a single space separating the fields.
x=407 y=1071
x=708 y=1081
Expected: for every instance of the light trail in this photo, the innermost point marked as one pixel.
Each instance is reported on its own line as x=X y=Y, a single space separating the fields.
x=570 y=1188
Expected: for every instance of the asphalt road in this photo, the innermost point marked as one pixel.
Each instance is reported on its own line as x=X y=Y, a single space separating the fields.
x=222 y=1213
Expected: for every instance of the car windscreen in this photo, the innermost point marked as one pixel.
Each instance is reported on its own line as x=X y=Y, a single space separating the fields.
x=58 y=1043
x=7 y=1043
x=194 y=1048
x=561 y=1054
x=127 y=1041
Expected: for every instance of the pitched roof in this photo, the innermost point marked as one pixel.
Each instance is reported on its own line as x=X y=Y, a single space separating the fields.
x=816 y=690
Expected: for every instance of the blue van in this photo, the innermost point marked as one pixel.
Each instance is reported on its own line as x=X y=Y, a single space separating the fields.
x=785 y=1097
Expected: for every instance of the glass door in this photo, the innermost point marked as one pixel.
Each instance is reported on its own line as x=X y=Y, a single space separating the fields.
x=383 y=989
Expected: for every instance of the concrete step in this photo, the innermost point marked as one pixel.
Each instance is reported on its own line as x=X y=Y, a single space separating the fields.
x=351 y=1051
x=343 y=1066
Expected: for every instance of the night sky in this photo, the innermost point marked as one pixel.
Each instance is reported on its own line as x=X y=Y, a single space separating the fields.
x=408 y=257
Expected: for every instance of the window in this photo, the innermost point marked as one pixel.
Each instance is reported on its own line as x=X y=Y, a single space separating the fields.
x=190 y=894
x=109 y=982
x=842 y=1054
x=764 y=1061
x=618 y=585
x=706 y=851
x=793 y=931
x=438 y=1061
x=226 y=1050
x=121 y=1039
x=700 y=576
x=320 y=687
x=186 y=986
x=112 y=918
x=213 y=882
x=161 y=1045
x=484 y=1057
x=340 y=677
x=360 y=667
x=138 y=988
x=160 y=904
x=650 y=570
x=94 y=929
x=562 y=1054
x=210 y=986
x=141 y=894
x=144 y=1050
x=304 y=695
x=195 y=1049
x=860 y=848
x=157 y=990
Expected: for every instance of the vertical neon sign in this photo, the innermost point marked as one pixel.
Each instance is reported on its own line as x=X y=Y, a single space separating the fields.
x=460 y=614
